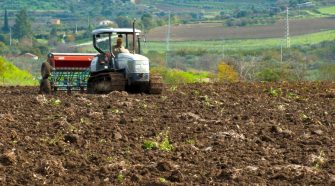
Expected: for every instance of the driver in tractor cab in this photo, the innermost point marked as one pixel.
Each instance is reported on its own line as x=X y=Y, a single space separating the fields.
x=118 y=48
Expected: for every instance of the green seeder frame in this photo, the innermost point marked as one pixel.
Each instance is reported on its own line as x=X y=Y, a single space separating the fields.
x=69 y=80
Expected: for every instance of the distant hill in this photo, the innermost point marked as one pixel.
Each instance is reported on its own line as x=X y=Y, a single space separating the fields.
x=96 y=6
x=79 y=14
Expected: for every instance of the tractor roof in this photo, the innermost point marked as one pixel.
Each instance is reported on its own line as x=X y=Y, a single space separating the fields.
x=115 y=30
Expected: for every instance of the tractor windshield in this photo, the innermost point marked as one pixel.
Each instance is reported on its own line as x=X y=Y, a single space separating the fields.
x=103 y=42
x=107 y=42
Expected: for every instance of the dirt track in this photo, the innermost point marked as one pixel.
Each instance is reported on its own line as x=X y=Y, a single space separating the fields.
x=221 y=134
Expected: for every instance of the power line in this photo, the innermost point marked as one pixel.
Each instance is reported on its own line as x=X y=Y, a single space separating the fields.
x=10 y=36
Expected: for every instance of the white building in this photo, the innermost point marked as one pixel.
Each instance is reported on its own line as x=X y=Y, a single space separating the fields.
x=106 y=22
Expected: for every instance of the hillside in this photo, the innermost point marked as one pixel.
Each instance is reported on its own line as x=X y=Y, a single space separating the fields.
x=75 y=14
x=195 y=4
x=66 y=4
x=11 y=75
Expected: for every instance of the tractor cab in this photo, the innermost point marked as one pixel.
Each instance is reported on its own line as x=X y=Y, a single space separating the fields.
x=125 y=59
x=105 y=39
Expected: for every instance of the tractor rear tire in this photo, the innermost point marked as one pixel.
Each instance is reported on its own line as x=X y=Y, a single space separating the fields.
x=45 y=86
x=45 y=70
x=118 y=81
x=106 y=83
x=155 y=84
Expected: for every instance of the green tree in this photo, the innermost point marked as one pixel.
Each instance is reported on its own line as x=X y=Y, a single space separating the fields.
x=22 y=26
x=53 y=36
x=5 y=27
x=4 y=38
x=269 y=74
x=88 y=32
x=123 y=22
x=148 y=21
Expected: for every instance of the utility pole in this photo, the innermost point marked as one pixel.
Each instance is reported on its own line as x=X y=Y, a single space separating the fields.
x=10 y=36
x=223 y=48
x=288 y=42
x=281 y=51
x=168 y=40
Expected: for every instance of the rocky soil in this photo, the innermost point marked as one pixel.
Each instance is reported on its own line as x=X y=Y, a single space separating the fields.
x=201 y=134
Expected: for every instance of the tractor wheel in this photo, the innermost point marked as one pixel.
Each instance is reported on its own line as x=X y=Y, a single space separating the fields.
x=45 y=86
x=155 y=84
x=106 y=83
x=45 y=70
x=118 y=82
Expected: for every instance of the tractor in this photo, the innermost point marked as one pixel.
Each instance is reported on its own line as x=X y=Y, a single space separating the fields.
x=102 y=72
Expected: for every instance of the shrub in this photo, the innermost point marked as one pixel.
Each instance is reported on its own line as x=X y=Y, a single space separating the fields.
x=227 y=73
x=2 y=67
x=327 y=72
x=268 y=74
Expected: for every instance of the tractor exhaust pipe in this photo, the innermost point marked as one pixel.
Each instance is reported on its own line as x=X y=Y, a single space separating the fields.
x=134 y=35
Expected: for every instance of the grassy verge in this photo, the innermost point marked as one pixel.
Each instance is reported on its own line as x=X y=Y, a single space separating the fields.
x=330 y=10
x=174 y=76
x=11 y=75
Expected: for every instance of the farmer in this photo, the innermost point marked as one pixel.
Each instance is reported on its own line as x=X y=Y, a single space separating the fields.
x=118 y=48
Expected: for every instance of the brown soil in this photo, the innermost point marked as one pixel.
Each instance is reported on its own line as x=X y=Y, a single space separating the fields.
x=236 y=134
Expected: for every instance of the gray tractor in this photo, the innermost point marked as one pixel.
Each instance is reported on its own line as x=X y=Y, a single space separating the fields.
x=127 y=71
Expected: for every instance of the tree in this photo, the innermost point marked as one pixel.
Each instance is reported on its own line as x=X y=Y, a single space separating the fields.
x=4 y=38
x=148 y=21
x=88 y=32
x=53 y=38
x=123 y=22
x=5 y=27
x=22 y=26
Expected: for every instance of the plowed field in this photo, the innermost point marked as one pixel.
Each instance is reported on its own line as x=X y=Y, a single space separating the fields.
x=201 y=134
x=216 y=31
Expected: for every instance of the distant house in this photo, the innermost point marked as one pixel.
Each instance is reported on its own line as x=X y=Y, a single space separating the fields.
x=55 y=22
x=106 y=22
x=135 y=1
x=132 y=1
x=29 y=56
